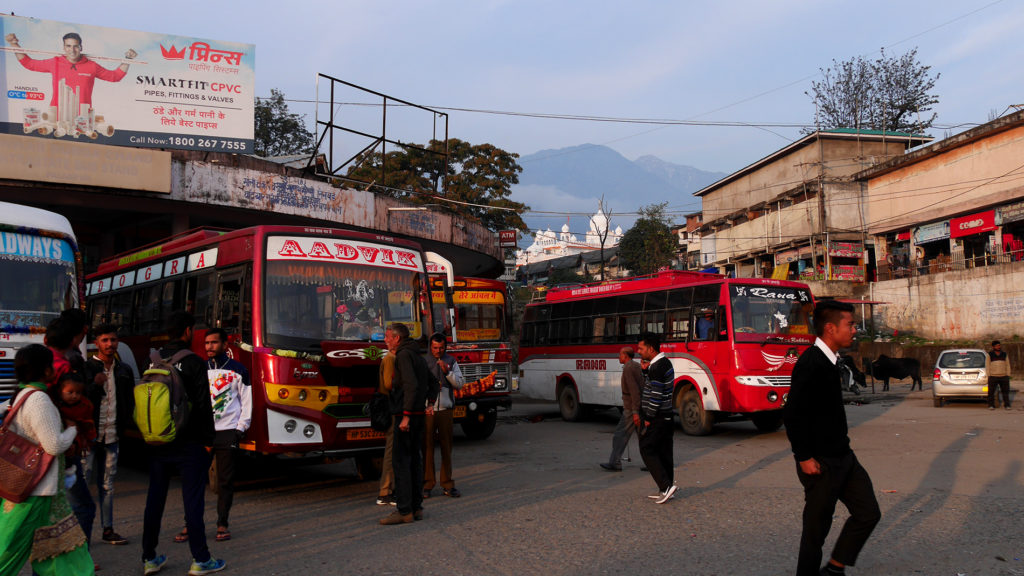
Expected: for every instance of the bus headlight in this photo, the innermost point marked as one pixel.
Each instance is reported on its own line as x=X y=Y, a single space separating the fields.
x=499 y=384
x=289 y=426
x=772 y=396
x=309 y=430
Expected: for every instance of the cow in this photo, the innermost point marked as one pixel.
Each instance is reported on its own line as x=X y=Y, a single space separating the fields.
x=885 y=368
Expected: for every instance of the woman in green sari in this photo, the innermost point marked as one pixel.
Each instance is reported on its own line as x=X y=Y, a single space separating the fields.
x=42 y=528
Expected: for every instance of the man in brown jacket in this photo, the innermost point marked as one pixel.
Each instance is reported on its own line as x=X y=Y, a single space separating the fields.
x=387 y=371
x=632 y=377
x=998 y=375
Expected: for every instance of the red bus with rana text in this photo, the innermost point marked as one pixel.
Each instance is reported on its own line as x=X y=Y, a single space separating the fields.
x=732 y=342
x=305 y=309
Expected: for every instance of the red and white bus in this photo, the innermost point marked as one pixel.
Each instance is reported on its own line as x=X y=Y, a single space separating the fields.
x=305 y=309
x=481 y=343
x=732 y=341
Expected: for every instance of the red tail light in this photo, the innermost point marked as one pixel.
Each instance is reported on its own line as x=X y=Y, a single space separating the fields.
x=501 y=356
x=937 y=375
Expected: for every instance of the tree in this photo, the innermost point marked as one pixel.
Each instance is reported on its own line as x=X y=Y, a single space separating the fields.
x=890 y=93
x=649 y=245
x=278 y=132
x=479 y=179
x=602 y=235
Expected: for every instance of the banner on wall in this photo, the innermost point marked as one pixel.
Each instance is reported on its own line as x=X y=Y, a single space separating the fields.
x=127 y=88
x=973 y=224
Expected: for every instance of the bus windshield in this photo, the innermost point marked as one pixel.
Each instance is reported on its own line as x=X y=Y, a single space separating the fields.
x=760 y=311
x=309 y=302
x=36 y=284
x=479 y=314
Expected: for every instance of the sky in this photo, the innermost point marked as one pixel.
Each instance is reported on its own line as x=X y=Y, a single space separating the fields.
x=727 y=61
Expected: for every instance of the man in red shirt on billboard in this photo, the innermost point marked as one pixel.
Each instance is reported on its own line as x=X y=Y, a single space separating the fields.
x=77 y=70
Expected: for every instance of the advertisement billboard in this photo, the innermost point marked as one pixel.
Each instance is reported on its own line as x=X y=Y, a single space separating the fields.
x=110 y=86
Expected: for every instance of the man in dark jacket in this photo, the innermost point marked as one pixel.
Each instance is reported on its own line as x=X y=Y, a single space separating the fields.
x=826 y=466
x=632 y=377
x=188 y=452
x=109 y=384
x=408 y=404
x=655 y=418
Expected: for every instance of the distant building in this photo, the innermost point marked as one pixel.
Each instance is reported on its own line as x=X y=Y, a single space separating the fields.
x=688 y=242
x=586 y=266
x=547 y=245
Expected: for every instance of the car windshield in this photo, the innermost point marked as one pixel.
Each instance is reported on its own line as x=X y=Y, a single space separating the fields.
x=761 y=311
x=962 y=360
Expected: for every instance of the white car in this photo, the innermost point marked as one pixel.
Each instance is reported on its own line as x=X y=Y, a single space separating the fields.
x=960 y=374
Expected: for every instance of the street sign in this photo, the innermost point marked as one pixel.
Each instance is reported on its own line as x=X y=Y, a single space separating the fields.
x=508 y=238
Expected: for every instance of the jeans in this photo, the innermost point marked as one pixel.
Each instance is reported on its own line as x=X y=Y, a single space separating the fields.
x=194 y=462
x=80 y=498
x=104 y=466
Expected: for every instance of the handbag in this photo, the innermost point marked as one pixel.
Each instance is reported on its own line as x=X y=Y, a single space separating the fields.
x=380 y=412
x=23 y=463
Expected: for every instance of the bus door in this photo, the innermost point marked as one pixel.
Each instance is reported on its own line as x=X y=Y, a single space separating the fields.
x=708 y=333
x=228 y=305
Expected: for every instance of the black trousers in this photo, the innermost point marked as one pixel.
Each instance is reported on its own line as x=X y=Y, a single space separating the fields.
x=194 y=463
x=656 y=450
x=224 y=458
x=844 y=480
x=1001 y=382
x=407 y=461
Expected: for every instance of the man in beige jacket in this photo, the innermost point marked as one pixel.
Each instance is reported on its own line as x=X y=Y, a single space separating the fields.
x=998 y=375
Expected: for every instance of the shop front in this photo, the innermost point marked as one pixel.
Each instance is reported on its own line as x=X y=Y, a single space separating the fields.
x=974 y=236
x=1011 y=218
x=931 y=248
x=846 y=261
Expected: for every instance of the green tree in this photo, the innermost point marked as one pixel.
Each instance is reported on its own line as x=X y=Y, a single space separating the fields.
x=479 y=177
x=278 y=132
x=890 y=93
x=649 y=245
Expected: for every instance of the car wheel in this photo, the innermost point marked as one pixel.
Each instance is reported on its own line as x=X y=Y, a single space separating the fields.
x=937 y=401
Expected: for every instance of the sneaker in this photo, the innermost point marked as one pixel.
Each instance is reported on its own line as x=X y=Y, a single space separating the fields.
x=153 y=566
x=991 y=407
x=397 y=517
x=111 y=537
x=209 y=567
x=384 y=500
x=669 y=494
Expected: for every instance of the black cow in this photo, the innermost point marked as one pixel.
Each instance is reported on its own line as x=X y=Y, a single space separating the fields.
x=885 y=368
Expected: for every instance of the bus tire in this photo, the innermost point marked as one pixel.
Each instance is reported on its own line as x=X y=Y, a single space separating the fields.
x=569 y=404
x=475 y=429
x=693 y=418
x=369 y=467
x=767 y=421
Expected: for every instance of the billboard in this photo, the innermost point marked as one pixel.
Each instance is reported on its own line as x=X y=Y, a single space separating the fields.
x=110 y=86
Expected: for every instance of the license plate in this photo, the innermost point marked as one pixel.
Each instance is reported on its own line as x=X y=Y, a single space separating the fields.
x=460 y=412
x=965 y=377
x=363 y=434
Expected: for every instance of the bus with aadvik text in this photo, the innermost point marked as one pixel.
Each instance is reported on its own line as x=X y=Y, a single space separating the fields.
x=732 y=342
x=305 y=309
x=40 y=277
x=480 y=341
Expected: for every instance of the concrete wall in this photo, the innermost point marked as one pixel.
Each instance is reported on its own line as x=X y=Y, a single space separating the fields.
x=979 y=303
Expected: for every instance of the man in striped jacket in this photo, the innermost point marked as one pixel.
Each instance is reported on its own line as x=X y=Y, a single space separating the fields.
x=656 y=411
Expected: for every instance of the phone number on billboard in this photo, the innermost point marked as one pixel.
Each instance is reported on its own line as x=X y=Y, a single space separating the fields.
x=206 y=143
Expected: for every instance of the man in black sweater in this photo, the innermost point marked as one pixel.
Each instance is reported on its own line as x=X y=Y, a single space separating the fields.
x=826 y=466
x=656 y=410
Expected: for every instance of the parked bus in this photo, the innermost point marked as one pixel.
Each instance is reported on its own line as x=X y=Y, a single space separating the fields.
x=732 y=342
x=305 y=309
x=40 y=276
x=480 y=342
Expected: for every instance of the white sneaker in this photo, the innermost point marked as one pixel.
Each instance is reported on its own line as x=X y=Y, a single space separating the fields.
x=656 y=496
x=667 y=495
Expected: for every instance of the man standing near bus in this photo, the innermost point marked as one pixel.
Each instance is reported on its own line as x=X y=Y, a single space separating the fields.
x=439 y=418
x=655 y=421
x=386 y=489
x=110 y=384
x=632 y=377
x=408 y=403
x=826 y=466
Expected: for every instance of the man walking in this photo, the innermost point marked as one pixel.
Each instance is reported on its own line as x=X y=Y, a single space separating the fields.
x=408 y=403
x=632 y=377
x=443 y=367
x=110 y=383
x=656 y=426
x=187 y=453
x=826 y=466
x=386 y=489
x=998 y=375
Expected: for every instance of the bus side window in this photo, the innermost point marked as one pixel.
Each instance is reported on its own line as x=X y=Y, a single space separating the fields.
x=199 y=299
x=703 y=322
x=120 y=312
x=229 y=296
x=245 y=309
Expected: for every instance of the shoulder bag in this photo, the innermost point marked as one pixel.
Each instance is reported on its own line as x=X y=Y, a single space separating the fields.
x=23 y=463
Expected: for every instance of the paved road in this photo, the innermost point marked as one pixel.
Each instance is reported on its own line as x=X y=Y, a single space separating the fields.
x=949 y=481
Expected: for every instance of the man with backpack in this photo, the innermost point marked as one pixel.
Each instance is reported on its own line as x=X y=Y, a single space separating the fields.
x=177 y=441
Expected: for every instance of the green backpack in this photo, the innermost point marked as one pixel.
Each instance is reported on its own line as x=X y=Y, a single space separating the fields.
x=161 y=403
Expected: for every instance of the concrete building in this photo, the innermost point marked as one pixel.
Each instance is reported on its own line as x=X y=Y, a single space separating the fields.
x=688 y=239
x=799 y=213
x=948 y=227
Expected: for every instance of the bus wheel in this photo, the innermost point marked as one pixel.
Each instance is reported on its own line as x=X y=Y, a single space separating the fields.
x=369 y=467
x=474 y=429
x=694 y=420
x=569 y=404
x=767 y=421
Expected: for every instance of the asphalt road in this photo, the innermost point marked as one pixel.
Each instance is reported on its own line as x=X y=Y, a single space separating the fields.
x=949 y=482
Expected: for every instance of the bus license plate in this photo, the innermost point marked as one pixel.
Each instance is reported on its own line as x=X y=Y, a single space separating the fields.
x=364 y=434
x=460 y=412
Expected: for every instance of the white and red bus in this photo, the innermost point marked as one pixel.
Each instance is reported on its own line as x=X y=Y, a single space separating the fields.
x=305 y=309
x=480 y=341
x=732 y=342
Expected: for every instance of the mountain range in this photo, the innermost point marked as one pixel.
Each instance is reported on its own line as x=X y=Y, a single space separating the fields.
x=573 y=180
